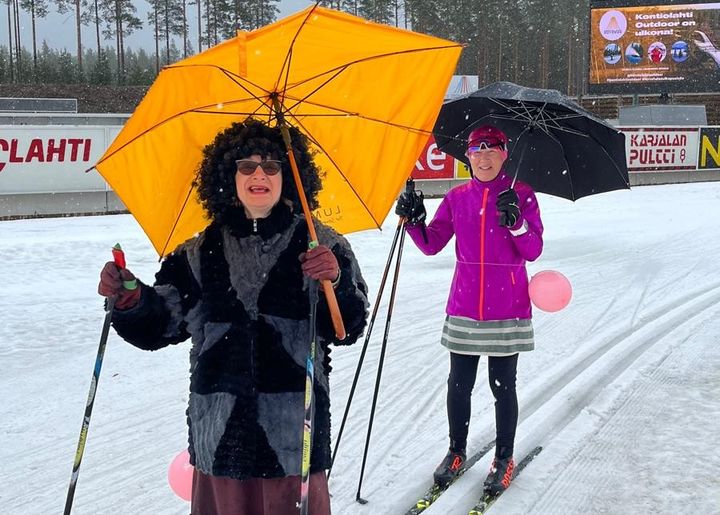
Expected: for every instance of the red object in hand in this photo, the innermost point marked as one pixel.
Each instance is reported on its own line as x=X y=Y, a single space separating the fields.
x=119 y=282
x=118 y=256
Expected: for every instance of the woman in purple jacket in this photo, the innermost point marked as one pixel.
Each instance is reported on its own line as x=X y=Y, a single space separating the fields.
x=497 y=229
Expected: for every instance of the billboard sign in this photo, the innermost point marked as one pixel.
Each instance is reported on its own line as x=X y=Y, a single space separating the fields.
x=654 y=47
x=433 y=164
x=657 y=149
x=709 y=148
x=52 y=159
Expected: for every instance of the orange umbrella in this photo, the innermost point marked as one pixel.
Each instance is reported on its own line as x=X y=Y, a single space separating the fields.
x=366 y=95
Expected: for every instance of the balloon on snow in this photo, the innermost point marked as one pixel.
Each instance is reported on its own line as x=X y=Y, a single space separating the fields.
x=180 y=475
x=550 y=290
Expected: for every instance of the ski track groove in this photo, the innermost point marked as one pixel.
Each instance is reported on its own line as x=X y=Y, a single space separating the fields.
x=569 y=373
x=671 y=315
x=590 y=462
x=381 y=448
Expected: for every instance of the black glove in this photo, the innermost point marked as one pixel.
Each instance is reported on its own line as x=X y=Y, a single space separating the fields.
x=507 y=207
x=410 y=206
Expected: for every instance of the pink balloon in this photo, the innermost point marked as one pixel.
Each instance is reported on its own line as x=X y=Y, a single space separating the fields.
x=180 y=475
x=550 y=290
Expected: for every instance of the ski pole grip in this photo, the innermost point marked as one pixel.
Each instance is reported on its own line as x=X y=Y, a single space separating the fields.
x=410 y=185
x=119 y=259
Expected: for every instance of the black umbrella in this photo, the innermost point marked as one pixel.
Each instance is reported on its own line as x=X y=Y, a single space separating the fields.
x=556 y=146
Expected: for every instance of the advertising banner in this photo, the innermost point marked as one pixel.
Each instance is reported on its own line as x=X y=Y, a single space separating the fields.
x=42 y=159
x=654 y=47
x=709 y=148
x=433 y=164
x=648 y=149
x=654 y=149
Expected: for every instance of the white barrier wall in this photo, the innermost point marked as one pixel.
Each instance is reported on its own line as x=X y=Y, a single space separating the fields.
x=44 y=162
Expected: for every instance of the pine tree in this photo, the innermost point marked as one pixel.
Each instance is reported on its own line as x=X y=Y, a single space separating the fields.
x=101 y=73
x=36 y=9
x=5 y=75
x=45 y=66
x=24 y=67
x=140 y=70
x=120 y=21
x=67 y=68
x=167 y=19
x=81 y=18
x=380 y=11
x=263 y=12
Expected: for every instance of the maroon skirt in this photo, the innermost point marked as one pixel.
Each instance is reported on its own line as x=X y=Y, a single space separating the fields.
x=214 y=495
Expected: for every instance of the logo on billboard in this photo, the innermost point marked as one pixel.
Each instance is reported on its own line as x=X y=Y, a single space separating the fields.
x=634 y=53
x=613 y=25
x=657 y=52
x=612 y=53
x=679 y=51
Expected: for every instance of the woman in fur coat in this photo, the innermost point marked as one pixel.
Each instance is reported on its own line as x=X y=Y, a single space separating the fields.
x=238 y=290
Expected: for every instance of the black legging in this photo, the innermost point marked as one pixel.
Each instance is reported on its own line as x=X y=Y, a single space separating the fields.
x=501 y=376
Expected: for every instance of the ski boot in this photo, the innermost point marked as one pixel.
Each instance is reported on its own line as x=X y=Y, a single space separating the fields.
x=450 y=466
x=500 y=476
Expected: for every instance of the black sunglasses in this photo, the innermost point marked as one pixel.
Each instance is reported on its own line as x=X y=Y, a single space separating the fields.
x=248 y=166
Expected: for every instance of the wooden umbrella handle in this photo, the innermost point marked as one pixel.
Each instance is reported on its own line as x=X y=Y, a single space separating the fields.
x=326 y=285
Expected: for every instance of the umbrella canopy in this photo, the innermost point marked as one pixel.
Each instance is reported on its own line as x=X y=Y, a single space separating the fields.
x=366 y=95
x=556 y=146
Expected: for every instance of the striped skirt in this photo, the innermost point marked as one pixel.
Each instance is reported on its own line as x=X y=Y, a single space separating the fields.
x=487 y=337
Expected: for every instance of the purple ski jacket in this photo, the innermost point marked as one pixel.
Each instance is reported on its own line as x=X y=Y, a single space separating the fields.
x=490 y=281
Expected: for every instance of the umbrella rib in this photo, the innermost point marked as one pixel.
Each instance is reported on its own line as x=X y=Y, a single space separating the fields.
x=199 y=109
x=322 y=85
x=553 y=121
x=162 y=122
x=350 y=185
x=567 y=169
x=285 y=69
x=344 y=113
x=232 y=76
x=617 y=168
x=237 y=78
x=542 y=113
x=177 y=219
x=547 y=119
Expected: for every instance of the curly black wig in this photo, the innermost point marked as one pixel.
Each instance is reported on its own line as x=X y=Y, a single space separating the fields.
x=215 y=181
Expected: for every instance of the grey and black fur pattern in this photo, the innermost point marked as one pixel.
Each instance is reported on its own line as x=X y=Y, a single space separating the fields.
x=241 y=297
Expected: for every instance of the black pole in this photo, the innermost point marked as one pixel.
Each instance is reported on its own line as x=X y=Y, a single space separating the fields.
x=307 y=429
x=393 y=246
x=358 y=498
x=89 y=405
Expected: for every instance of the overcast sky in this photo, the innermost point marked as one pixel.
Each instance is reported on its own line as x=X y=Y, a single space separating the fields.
x=59 y=30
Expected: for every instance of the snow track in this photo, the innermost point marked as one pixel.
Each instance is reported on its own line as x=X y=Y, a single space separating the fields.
x=621 y=391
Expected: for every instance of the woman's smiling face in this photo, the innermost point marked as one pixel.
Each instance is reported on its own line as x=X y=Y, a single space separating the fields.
x=487 y=162
x=258 y=191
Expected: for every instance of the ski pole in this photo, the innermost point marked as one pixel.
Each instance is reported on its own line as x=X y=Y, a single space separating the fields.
x=391 y=303
x=309 y=402
x=393 y=246
x=119 y=259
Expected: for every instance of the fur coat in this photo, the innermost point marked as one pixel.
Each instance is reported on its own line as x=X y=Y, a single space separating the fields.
x=238 y=292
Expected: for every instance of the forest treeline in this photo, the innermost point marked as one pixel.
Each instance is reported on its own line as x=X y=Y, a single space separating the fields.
x=533 y=42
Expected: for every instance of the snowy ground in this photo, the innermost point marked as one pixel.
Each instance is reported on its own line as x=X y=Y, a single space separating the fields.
x=622 y=390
